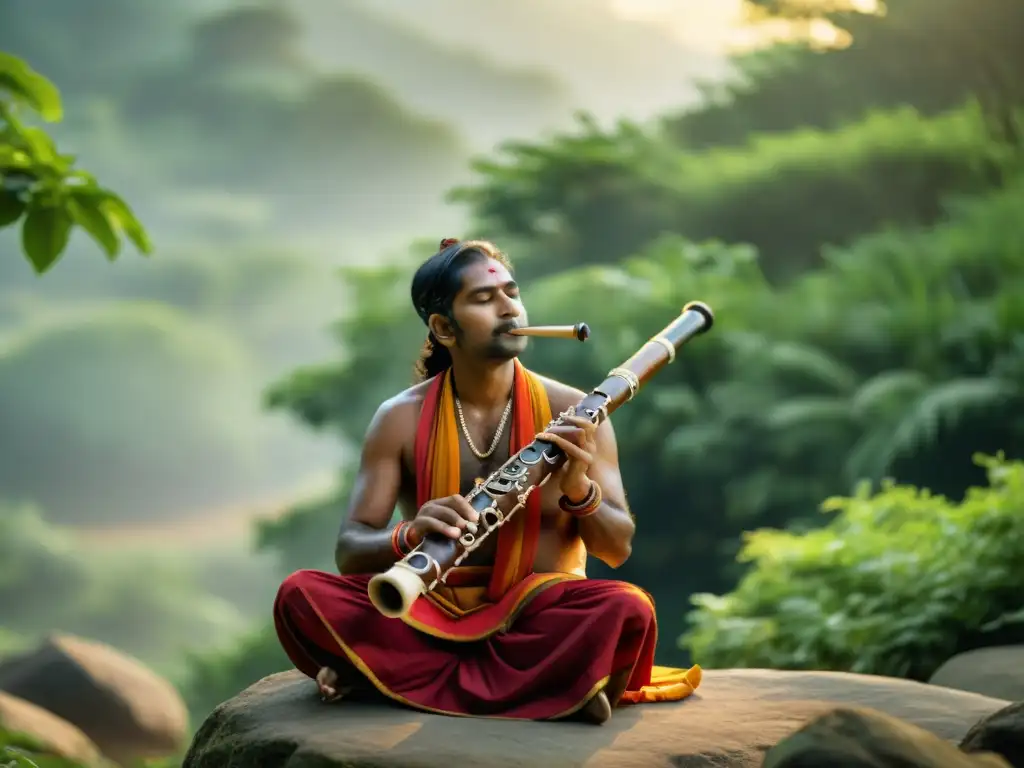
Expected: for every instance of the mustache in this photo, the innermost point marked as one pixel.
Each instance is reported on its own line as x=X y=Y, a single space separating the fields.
x=505 y=328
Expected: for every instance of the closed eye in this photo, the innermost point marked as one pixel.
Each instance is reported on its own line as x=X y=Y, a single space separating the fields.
x=484 y=295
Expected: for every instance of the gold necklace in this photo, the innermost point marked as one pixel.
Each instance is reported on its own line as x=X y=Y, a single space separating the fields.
x=497 y=434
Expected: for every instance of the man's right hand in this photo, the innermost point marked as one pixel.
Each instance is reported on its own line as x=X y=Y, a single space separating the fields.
x=450 y=516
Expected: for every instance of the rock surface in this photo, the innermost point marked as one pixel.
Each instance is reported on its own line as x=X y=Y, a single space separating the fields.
x=55 y=736
x=996 y=672
x=732 y=720
x=128 y=711
x=1001 y=732
x=854 y=737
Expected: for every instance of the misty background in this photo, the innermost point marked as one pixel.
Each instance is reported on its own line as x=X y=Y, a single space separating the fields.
x=263 y=144
x=841 y=181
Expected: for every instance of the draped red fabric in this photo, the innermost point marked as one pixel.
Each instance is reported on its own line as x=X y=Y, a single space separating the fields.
x=563 y=647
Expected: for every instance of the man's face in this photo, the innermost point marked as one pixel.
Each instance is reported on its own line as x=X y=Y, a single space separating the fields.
x=488 y=305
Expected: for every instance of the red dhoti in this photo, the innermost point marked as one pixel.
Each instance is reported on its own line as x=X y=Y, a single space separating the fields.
x=560 y=641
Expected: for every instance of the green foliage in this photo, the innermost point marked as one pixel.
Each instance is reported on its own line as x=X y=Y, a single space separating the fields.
x=272 y=299
x=19 y=750
x=36 y=559
x=341 y=396
x=85 y=374
x=11 y=642
x=270 y=122
x=297 y=538
x=90 y=50
x=929 y=54
x=895 y=584
x=594 y=196
x=41 y=186
x=217 y=675
x=147 y=604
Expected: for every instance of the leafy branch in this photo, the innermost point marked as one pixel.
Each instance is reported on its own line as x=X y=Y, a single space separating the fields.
x=41 y=187
x=897 y=582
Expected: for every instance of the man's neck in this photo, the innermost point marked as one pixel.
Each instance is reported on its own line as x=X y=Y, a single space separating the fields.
x=483 y=384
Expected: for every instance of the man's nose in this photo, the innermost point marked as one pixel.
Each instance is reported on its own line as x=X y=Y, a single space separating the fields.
x=510 y=308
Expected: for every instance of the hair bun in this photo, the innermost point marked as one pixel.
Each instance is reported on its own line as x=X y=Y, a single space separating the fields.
x=448 y=241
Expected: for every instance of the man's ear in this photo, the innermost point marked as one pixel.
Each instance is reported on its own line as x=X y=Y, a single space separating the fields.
x=442 y=329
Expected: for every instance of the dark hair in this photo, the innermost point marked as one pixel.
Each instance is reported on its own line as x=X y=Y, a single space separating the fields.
x=433 y=290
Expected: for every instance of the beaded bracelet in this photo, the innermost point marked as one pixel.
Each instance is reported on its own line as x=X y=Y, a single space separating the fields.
x=586 y=507
x=400 y=539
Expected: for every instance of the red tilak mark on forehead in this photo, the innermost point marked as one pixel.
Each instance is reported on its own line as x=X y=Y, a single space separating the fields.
x=492 y=270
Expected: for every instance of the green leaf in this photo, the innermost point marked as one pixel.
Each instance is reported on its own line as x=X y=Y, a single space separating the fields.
x=93 y=219
x=118 y=210
x=41 y=145
x=11 y=208
x=44 y=236
x=12 y=157
x=27 y=85
x=18 y=758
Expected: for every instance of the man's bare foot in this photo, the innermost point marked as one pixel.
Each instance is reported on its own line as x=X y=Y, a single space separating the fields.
x=597 y=710
x=327 y=682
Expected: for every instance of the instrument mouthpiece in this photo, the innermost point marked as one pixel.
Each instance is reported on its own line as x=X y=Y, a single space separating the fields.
x=705 y=310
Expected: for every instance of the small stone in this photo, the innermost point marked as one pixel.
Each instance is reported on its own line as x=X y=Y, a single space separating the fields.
x=856 y=737
x=1001 y=732
x=997 y=672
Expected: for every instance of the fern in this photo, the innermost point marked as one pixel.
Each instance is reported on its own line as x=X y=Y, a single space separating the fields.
x=811 y=366
x=944 y=405
x=870 y=457
x=800 y=412
x=886 y=393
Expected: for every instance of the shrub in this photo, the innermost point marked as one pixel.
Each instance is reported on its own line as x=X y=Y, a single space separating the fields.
x=895 y=584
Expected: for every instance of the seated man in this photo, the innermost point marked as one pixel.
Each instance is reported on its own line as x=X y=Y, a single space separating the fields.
x=518 y=631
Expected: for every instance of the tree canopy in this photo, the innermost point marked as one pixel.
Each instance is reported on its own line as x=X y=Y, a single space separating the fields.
x=593 y=196
x=864 y=271
x=929 y=54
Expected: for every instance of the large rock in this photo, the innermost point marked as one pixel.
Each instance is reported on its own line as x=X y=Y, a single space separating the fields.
x=996 y=672
x=1001 y=732
x=128 y=711
x=734 y=717
x=854 y=737
x=53 y=735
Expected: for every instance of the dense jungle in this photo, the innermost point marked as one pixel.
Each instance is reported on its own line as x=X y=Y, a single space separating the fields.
x=210 y=215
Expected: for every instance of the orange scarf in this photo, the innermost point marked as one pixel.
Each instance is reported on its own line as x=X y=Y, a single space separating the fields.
x=438 y=475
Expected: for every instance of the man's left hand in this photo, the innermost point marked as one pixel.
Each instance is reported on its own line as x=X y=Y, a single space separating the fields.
x=577 y=438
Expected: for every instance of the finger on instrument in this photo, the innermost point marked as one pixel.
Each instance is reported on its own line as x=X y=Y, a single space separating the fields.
x=435 y=525
x=458 y=512
x=584 y=424
x=457 y=505
x=448 y=516
x=572 y=450
x=572 y=434
x=464 y=508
